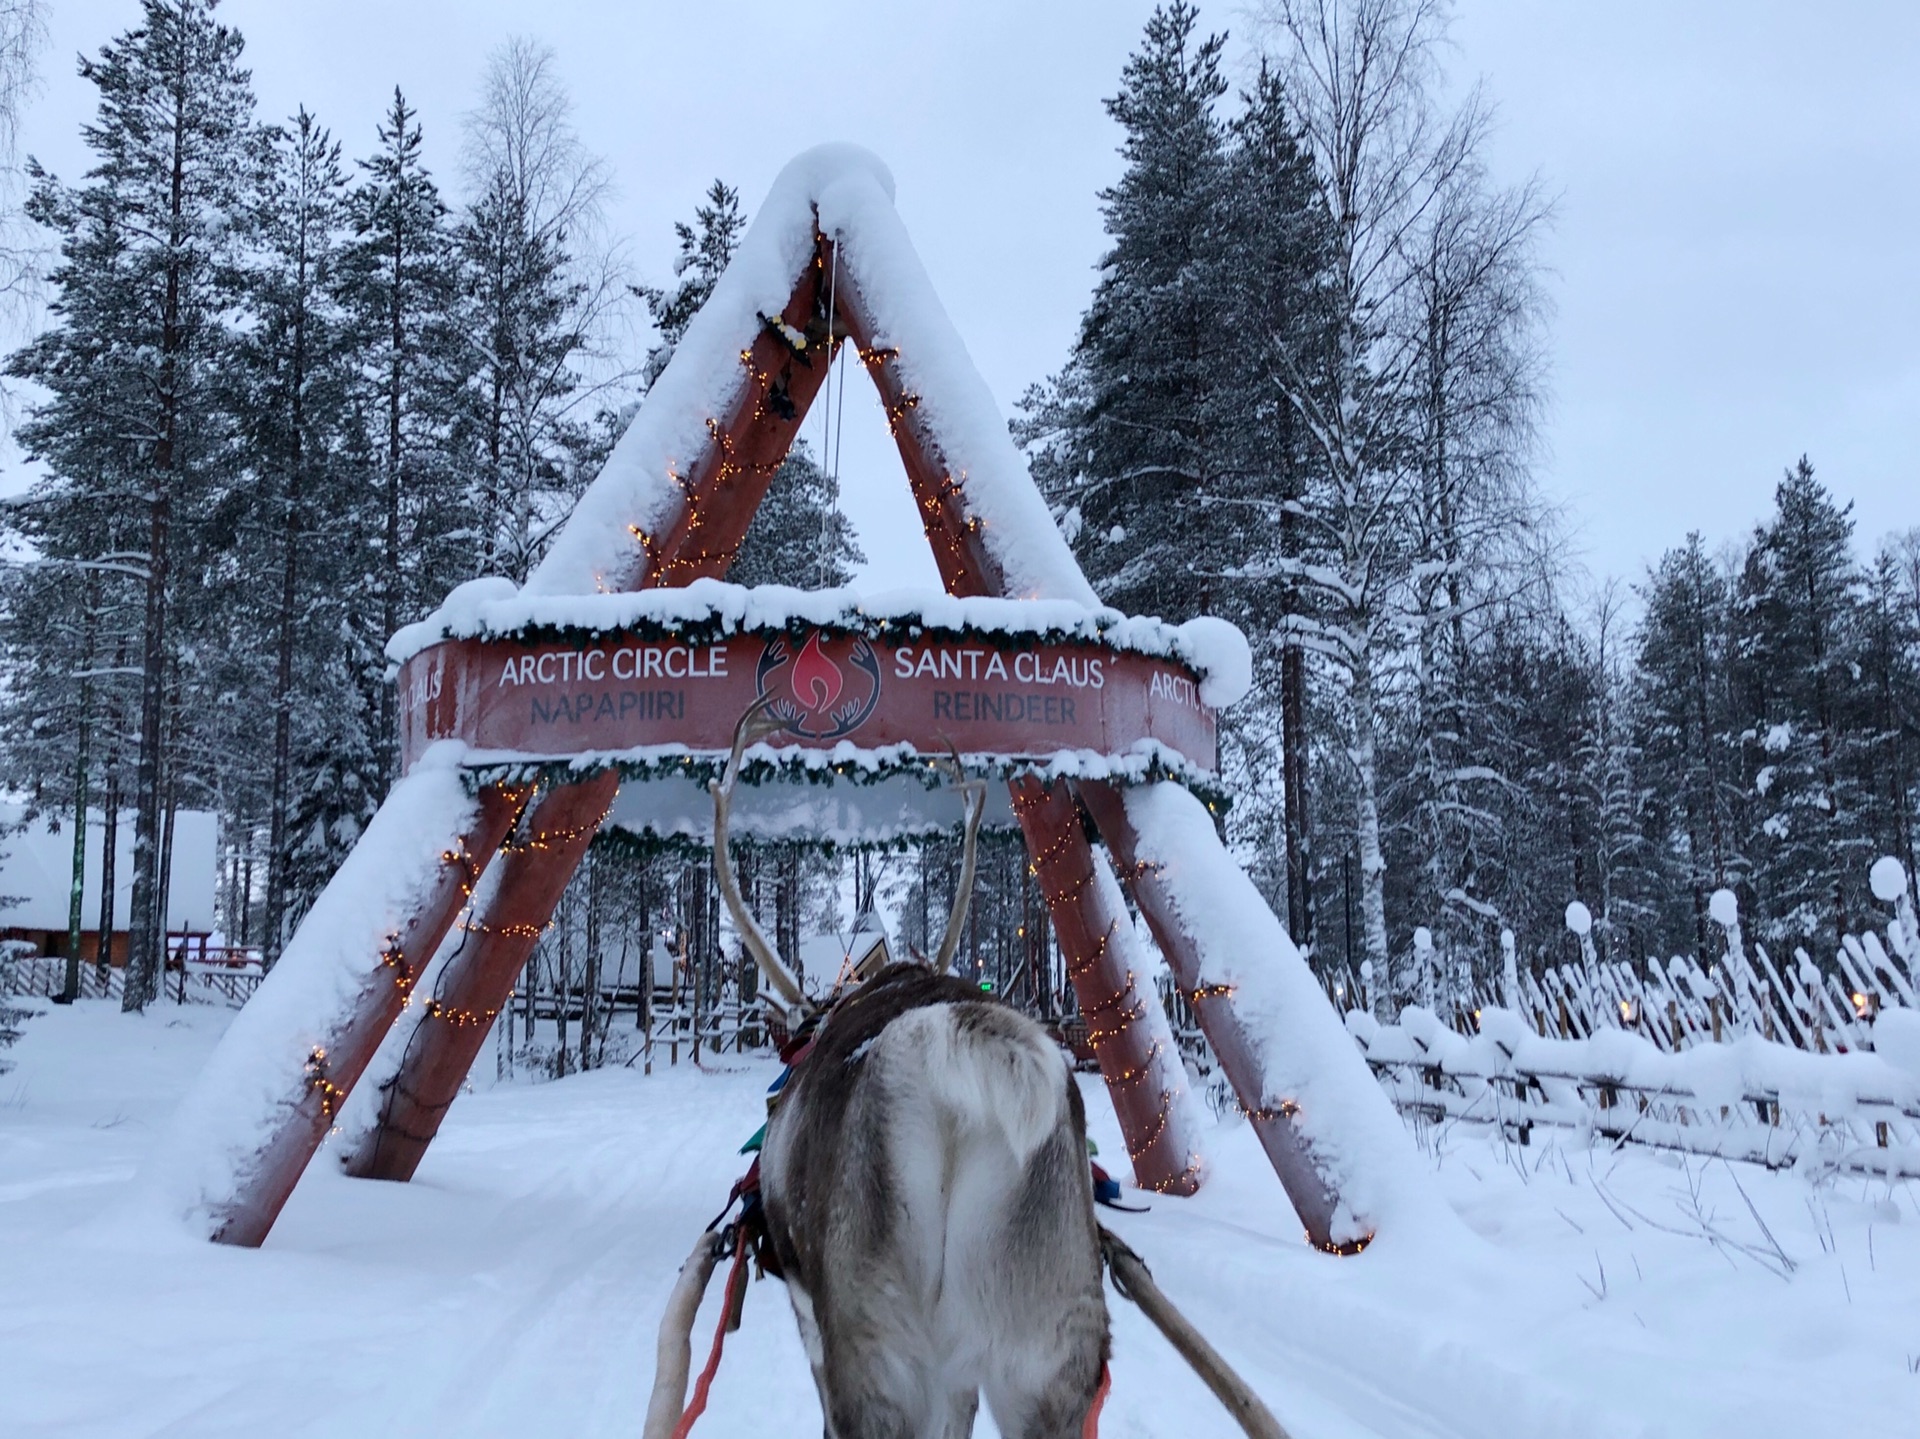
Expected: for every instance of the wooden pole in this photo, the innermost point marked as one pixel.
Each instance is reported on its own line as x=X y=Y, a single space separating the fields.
x=349 y=1040
x=1114 y=999
x=452 y=1025
x=1287 y=1150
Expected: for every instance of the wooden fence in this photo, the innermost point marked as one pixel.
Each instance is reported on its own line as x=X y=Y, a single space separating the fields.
x=1741 y=1057
x=218 y=981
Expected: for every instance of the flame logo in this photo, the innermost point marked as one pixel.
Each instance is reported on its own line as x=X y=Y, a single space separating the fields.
x=816 y=680
x=813 y=695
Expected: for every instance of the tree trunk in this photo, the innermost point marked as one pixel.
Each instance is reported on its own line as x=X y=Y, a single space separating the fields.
x=164 y=908
x=109 y=837
x=76 y=896
x=1297 y=814
x=142 y=961
x=384 y=741
x=1366 y=806
x=280 y=797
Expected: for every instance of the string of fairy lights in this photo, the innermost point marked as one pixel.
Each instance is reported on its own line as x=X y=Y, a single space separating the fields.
x=1111 y=1016
x=405 y=976
x=948 y=524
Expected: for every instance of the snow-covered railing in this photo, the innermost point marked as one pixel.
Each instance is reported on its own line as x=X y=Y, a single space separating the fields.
x=45 y=976
x=1681 y=1002
x=1738 y=1057
x=1750 y=1098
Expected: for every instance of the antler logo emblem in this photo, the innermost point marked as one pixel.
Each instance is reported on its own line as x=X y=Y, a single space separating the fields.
x=815 y=696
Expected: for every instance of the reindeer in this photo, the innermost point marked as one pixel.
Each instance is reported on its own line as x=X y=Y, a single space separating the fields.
x=927 y=1193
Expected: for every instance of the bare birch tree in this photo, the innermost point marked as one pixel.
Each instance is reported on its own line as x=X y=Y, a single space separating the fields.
x=544 y=289
x=1377 y=401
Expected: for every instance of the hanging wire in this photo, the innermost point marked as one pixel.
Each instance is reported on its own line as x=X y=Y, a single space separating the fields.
x=830 y=434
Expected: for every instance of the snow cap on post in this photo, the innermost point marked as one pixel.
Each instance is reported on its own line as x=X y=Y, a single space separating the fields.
x=1723 y=908
x=1888 y=878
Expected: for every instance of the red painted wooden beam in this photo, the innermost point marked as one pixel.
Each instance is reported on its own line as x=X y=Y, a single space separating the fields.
x=453 y=1023
x=337 y=1063
x=1287 y=1151
x=1113 y=999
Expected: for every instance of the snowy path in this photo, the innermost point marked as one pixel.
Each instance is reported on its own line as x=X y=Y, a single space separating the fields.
x=513 y=1289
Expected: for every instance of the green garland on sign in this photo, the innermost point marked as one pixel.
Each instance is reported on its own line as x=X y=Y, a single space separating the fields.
x=893 y=763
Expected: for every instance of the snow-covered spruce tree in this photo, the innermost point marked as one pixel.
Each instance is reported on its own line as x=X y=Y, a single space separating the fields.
x=1160 y=444
x=537 y=296
x=141 y=293
x=1890 y=662
x=1800 y=638
x=1279 y=320
x=1684 y=709
x=303 y=540
x=397 y=280
x=783 y=544
x=706 y=247
x=1142 y=415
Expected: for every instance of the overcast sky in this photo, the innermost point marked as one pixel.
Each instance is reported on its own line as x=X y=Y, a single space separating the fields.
x=1734 y=261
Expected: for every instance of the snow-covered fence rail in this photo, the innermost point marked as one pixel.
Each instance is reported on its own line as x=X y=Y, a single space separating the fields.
x=44 y=977
x=1681 y=1002
x=631 y=1025
x=1752 y=1098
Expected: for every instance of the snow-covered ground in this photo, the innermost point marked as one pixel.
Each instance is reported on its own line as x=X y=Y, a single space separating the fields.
x=514 y=1287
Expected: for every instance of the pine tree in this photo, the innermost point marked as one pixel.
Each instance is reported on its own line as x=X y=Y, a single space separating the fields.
x=706 y=249
x=1279 y=317
x=301 y=505
x=1127 y=439
x=398 y=281
x=1800 y=639
x=177 y=153
x=1893 y=681
x=1684 y=706
x=798 y=536
x=1174 y=463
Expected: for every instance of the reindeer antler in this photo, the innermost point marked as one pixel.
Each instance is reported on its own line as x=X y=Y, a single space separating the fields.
x=754 y=726
x=973 y=794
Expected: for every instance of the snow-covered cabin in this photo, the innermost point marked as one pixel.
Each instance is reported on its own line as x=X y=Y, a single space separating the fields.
x=36 y=880
x=860 y=955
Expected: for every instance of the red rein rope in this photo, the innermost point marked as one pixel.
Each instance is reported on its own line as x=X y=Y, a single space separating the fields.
x=1091 y=1429
x=736 y=1276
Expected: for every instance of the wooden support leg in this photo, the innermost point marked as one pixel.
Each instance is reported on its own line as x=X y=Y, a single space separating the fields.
x=237 y=1196
x=440 y=1035
x=1130 y=1035
x=1272 y=1118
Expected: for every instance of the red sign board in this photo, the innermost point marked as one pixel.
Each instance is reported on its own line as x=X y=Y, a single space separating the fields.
x=508 y=698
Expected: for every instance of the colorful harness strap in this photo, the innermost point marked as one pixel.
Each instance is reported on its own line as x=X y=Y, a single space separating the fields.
x=736 y=1277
